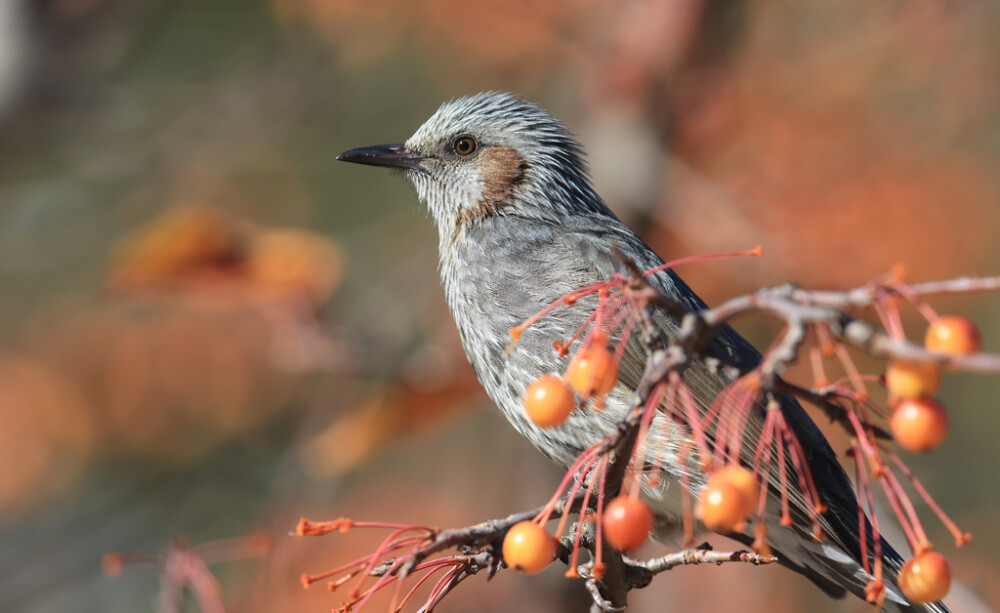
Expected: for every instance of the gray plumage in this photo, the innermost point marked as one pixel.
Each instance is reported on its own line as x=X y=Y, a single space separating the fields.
x=520 y=226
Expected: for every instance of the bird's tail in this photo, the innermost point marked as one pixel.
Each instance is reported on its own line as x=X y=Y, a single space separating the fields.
x=835 y=570
x=835 y=562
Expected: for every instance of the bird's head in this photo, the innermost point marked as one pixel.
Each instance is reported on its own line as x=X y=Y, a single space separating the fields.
x=490 y=154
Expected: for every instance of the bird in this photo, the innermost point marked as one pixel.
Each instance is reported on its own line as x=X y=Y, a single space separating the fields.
x=519 y=226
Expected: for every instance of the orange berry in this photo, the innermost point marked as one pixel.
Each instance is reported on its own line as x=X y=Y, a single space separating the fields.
x=919 y=424
x=743 y=480
x=906 y=379
x=722 y=507
x=548 y=401
x=593 y=371
x=953 y=335
x=627 y=522
x=926 y=578
x=528 y=547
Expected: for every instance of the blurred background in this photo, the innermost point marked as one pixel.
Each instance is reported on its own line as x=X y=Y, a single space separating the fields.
x=209 y=329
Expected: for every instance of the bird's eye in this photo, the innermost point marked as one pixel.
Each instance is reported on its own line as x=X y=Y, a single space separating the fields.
x=464 y=146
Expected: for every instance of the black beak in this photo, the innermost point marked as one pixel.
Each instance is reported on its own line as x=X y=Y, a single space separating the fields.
x=390 y=156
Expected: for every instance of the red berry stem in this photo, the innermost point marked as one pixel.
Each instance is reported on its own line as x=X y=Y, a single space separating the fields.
x=599 y=545
x=757 y=251
x=876 y=588
x=914 y=297
x=578 y=482
x=574 y=560
x=888 y=314
x=691 y=416
x=853 y=374
x=891 y=483
x=652 y=406
x=687 y=503
x=961 y=537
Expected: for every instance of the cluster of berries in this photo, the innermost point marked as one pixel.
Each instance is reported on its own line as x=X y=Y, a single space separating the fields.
x=732 y=494
x=919 y=423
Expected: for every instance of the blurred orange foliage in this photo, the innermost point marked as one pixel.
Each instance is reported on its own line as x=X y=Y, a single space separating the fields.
x=162 y=381
x=520 y=37
x=815 y=152
x=398 y=411
x=47 y=430
x=204 y=254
